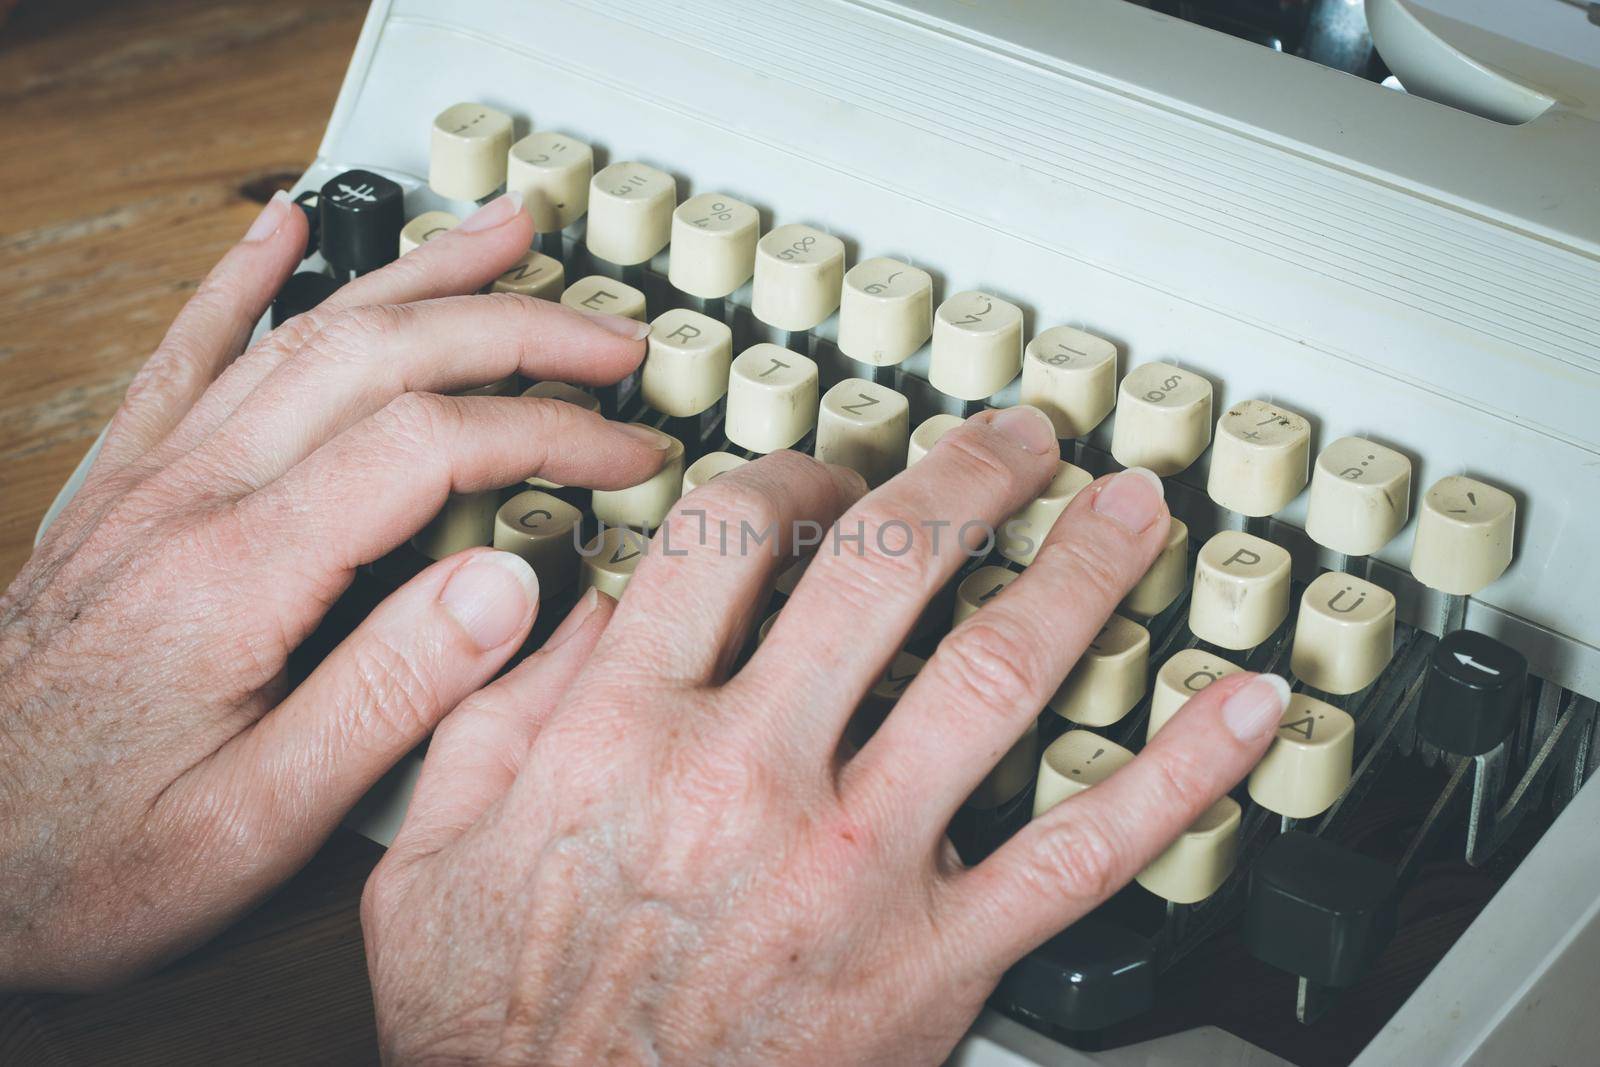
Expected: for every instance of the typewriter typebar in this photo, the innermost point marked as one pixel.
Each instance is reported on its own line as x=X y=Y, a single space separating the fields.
x=1352 y=330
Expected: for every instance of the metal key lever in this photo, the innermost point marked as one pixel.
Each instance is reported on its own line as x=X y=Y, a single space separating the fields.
x=1488 y=826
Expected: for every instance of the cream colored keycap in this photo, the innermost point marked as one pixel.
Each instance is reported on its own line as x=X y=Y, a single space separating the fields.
x=599 y=293
x=1166 y=579
x=506 y=386
x=1465 y=533
x=713 y=245
x=866 y=427
x=886 y=311
x=883 y=696
x=552 y=171
x=686 y=368
x=425 y=227
x=609 y=559
x=467 y=155
x=630 y=213
x=1188 y=672
x=772 y=398
x=1109 y=681
x=1021 y=538
x=927 y=434
x=1308 y=763
x=465 y=521
x=1360 y=496
x=1241 y=590
x=1163 y=418
x=1010 y=777
x=798 y=274
x=766 y=627
x=569 y=394
x=542 y=530
x=535 y=275
x=644 y=505
x=977 y=345
x=709 y=466
x=1071 y=376
x=1344 y=635
x=977 y=589
x=1075 y=761
x=1261 y=458
x=1200 y=860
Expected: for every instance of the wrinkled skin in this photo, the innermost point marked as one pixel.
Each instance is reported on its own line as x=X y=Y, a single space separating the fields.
x=663 y=862
x=156 y=778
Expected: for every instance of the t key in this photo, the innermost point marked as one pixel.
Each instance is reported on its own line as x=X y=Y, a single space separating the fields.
x=1473 y=695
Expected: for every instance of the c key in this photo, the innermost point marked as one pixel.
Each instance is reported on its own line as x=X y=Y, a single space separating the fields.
x=1241 y=590
x=1308 y=763
x=542 y=530
x=425 y=227
x=866 y=427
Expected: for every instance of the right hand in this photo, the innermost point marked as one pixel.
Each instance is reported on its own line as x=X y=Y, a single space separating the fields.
x=655 y=859
x=156 y=778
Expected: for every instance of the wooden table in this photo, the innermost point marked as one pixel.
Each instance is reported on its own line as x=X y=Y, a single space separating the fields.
x=140 y=138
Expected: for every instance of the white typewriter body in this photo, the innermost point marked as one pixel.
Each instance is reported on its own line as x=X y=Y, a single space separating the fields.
x=1387 y=266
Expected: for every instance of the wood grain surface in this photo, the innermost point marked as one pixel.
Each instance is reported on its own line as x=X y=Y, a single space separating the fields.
x=138 y=138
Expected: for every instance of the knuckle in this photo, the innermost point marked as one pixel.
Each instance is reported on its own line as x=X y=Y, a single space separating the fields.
x=740 y=503
x=985 y=665
x=394 y=695
x=1093 y=575
x=1183 y=783
x=421 y=420
x=354 y=335
x=1079 y=858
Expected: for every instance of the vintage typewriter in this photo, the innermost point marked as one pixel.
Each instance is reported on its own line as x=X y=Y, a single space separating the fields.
x=1354 y=330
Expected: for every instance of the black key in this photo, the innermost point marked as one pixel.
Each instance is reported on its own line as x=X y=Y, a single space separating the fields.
x=1090 y=976
x=362 y=215
x=302 y=292
x=1473 y=697
x=1318 y=909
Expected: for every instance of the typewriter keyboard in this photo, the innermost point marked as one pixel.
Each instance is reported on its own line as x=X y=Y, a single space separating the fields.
x=1414 y=766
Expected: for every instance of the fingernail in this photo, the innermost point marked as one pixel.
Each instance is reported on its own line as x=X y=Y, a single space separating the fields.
x=1132 y=499
x=645 y=435
x=574 y=621
x=621 y=325
x=1256 y=708
x=271 y=217
x=500 y=209
x=491 y=597
x=1026 y=427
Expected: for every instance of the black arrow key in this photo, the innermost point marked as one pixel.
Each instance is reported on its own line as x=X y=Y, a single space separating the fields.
x=1473 y=695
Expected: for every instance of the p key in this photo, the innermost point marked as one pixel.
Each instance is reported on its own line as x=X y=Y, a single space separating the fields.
x=1241 y=590
x=1472 y=699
